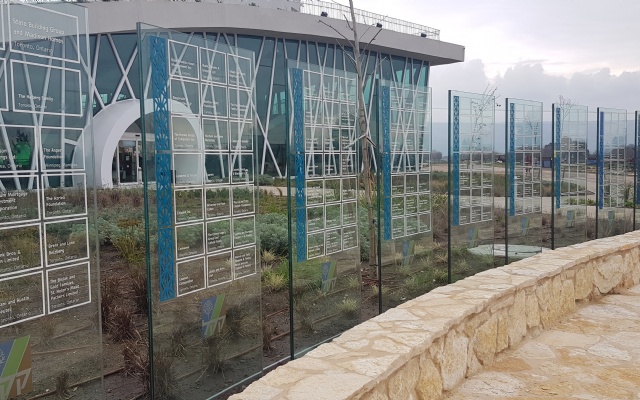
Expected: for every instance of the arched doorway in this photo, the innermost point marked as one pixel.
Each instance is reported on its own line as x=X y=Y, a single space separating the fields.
x=118 y=143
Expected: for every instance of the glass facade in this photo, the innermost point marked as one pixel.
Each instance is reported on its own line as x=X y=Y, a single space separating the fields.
x=115 y=71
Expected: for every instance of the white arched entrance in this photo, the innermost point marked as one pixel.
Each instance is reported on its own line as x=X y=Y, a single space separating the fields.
x=108 y=127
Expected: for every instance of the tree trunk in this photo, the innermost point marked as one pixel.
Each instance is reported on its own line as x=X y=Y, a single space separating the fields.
x=366 y=156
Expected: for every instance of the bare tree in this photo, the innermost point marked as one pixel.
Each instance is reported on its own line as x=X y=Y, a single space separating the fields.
x=364 y=135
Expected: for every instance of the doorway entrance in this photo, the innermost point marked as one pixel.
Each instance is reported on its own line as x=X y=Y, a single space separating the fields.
x=126 y=166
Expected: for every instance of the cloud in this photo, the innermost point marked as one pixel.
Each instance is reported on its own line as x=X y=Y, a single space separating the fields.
x=530 y=81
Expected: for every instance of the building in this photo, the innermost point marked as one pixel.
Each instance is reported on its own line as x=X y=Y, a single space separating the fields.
x=275 y=30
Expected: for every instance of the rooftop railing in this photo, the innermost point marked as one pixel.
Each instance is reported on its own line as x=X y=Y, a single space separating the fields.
x=313 y=7
x=338 y=11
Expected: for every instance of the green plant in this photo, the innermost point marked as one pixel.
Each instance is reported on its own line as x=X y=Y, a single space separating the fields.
x=274 y=235
x=440 y=276
x=353 y=283
x=270 y=203
x=128 y=243
x=349 y=307
x=265 y=180
x=375 y=291
x=268 y=258
x=274 y=281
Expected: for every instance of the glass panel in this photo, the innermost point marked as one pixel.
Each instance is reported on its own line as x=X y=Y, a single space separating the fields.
x=471 y=179
x=525 y=218
x=50 y=327
x=410 y=265
x=636 y=181
x=205 y=275
x=570 y=186
x=323 y=193
x=613 y=188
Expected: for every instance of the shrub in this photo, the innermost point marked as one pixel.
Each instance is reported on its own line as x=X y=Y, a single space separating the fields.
x=265 y=180
x=274 y=236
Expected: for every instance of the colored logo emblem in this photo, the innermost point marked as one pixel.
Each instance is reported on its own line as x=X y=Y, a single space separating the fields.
x=525 y=222
x=329 y=276
x=408 y=250
x=611 y=216
x=213 y=315
x=15 y=368
x=473 y=237
x=571 y=218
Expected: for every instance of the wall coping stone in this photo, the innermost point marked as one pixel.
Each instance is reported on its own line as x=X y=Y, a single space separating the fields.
x=431 y=343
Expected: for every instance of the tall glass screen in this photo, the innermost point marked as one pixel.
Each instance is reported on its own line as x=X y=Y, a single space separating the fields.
x=409 y=263
x=571 y=190
x=613 y=188
x=203 y=259
x=325 y=208
x=471 y=183
x=50 y=329
x=525 y=221
x=636 y=166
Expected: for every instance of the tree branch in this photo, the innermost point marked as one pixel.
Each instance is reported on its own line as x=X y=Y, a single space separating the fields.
x=371 y=41
x=344 y=51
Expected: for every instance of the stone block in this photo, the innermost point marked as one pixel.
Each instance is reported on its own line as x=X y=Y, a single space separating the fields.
x=379 y=393
x=567 y=300
x=517 y=322
x=485 y=340
x=532 y=309
x=583 y=282
x=430 y=382
x=453 y=363
x=608 y=274
x=502 y=338
x=405 y=380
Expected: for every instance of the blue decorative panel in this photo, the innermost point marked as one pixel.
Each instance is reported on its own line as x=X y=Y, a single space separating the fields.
x=166 y=263
x=386 y=160
x=601 y=161
x=456 y=160
x=159 y=79
x=164 y=189
x=298 y=162
x=512 y=160
x=298 y=110
x=557 y=155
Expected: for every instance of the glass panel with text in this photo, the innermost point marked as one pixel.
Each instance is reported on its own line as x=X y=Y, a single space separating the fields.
x=614 y=189
x=471 y=183
x=203 y=201
x=50 y=328
x=527 y=227
x=571 y=191
x=325 y=214
x=410 y=265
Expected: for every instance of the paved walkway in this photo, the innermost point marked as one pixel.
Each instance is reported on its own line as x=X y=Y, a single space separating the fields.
x=593 y=354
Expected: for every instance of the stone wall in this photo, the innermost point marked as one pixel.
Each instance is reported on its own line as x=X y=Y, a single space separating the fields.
x=428 y=345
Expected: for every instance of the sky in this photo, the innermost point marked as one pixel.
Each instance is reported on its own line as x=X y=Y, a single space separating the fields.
x=587 y=50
